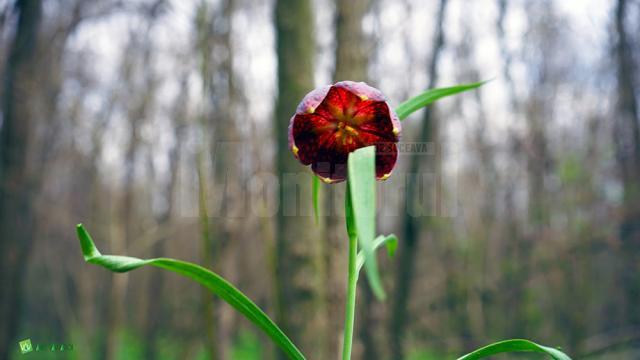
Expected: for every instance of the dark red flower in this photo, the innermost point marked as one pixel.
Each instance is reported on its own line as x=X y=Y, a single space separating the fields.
x=334 y=120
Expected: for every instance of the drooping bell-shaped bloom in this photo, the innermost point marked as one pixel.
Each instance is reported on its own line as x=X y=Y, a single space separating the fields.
x=334 y=120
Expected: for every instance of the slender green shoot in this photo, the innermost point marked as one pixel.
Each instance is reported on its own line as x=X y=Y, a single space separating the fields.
x=418 y=102
x=212 y=281
x=352 y=286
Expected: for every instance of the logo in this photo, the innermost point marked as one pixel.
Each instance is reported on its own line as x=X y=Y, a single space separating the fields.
x=25 y=346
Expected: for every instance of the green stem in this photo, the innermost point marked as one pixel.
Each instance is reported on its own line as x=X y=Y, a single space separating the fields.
x=350 y=306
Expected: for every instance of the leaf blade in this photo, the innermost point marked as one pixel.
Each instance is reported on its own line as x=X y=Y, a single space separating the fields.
x=514 y=345
x=212 y=281
x=362 y=198
x=390 y=242
x=418 y=102
x=315 y=198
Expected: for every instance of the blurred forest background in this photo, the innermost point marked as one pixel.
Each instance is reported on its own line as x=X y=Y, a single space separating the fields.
x=161 y=125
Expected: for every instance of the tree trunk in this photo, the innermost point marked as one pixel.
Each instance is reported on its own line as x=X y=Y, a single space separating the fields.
x=164 y=220
x=16 y=182
x=298 y=254
x=352 y=53
x=141 y=100
x=627 y=142
x=411 y=228
x=226 y=164
x=204 y=46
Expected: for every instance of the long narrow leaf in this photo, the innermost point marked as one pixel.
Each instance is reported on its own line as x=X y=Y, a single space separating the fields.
x=315 y=195
x=362 y=195
x=209 y=279
x=391 y=243
x=418 y=102
x=515 y=345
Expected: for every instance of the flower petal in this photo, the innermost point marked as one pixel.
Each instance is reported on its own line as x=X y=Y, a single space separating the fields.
x=361 y=90
x=338 y=105
x=312 y=100
x=374 y=117
x=331 y=165
x=386 y=156
x=305 y=131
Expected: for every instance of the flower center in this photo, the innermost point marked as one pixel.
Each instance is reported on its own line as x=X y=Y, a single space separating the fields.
x=347 y=129
x=345 y=133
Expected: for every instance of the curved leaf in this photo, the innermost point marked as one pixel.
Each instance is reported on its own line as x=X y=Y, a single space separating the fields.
x=209 y=279
x=515 y=345
x=418 y=102
x=360 y=207
x=389 y=241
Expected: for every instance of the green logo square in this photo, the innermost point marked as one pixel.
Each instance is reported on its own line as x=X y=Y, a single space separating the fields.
x=25 y=346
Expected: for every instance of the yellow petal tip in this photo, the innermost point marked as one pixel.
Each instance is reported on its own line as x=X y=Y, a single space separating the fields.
x=326 y=180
